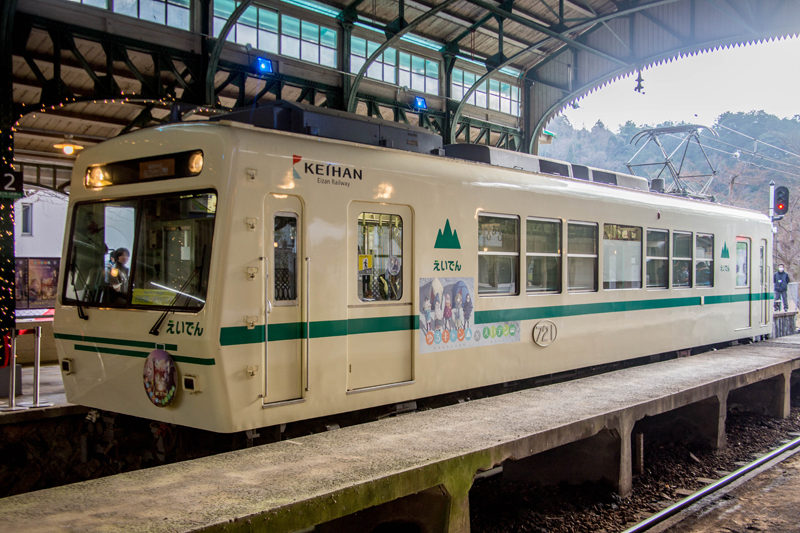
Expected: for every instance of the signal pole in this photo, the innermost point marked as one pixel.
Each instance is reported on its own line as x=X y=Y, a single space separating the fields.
x=772 y=203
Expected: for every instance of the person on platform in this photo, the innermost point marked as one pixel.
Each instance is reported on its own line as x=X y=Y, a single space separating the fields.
x=781 y=282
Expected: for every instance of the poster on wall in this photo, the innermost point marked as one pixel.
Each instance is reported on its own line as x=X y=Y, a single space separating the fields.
x=446 y=318
x=21 y=282
x=36 y=282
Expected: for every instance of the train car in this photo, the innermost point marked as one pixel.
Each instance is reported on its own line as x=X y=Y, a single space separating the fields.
x=228 y=276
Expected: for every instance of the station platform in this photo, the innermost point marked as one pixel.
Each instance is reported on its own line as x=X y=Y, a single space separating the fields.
x=425 y=460
x=51 y=392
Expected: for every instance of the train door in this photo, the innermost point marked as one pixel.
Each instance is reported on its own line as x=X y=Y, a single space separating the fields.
x=283 y=362
x=744 y=284
x=380 y=295
x=764 y=283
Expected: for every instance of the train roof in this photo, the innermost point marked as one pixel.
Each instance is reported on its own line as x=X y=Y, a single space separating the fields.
x=523 y=165
x=333 y=124
x=543 y=165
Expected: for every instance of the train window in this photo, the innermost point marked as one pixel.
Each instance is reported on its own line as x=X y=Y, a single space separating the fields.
x=99 y=229
x=380 y=257
x=285 y=235
x=582 y=256
x=742 y=262
x=543 y=255
x=704 y=260
x=498 y=254
x=147 y=252
x=682 y=259
x=622 y=257
x=657 y=258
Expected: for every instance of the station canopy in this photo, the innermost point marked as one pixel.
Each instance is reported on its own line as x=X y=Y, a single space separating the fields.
x=490 y=72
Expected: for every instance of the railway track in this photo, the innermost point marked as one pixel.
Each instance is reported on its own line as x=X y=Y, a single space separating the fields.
x=674 y=472
x=712 y=492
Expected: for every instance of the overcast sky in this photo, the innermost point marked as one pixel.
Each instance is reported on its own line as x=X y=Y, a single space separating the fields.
x=700 y=88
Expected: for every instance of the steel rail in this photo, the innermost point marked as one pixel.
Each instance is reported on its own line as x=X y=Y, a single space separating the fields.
x=708 y=490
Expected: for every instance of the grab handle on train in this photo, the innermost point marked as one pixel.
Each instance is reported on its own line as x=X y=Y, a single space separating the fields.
x=308 y=323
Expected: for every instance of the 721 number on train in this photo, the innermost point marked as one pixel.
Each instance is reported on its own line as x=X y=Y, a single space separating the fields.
x=544 y=333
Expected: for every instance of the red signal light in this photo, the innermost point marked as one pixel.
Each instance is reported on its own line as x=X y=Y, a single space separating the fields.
x=781 y=200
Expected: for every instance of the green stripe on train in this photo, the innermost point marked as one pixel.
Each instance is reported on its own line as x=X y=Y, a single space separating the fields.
x=324 y=328
x=732 y=298
x=133 y=353
x=335 y=328
x=119 y=342
x=555 y=311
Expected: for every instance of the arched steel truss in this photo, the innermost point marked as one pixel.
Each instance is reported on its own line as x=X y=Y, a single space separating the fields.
x=572 y=57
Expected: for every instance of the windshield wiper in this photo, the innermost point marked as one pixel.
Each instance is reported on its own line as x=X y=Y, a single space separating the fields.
x=170 y=308
x=81 y=313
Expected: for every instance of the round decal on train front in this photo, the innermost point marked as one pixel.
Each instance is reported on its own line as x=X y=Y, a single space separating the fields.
x=160 y=378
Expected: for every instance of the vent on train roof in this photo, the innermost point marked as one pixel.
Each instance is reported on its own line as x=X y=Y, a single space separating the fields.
x=581 y=172
x=333 y=124
x=517 y=160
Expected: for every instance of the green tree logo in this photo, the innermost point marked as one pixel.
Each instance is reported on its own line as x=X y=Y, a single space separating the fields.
x=447 y=238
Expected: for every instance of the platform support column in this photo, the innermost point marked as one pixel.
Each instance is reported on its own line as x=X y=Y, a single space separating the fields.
x=625 y=476
x=770 y=397
x=721 y=441
x=457 y=488
x=783 y=395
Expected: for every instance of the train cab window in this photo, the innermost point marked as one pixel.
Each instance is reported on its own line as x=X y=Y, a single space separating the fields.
x=498 y=255
x=704 y=260
x=622 y=257
x=681 y=259
x=543 y=256
x=148 y=252
x=285 y=236
x=581 y=256
x=380 y=257
x=742 y=262
x=657 y=267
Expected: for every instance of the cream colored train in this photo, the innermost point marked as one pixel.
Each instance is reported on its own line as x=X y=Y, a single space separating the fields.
x=252 y=271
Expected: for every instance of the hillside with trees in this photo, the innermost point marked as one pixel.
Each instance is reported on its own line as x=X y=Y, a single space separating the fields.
x=746 y=151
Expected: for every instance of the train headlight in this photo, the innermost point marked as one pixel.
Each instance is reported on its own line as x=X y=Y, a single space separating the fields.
x=195 y=162
x=96 y=178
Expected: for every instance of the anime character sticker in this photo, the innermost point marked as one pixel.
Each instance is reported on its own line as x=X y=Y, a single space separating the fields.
x=446 y=318
x=159 y=377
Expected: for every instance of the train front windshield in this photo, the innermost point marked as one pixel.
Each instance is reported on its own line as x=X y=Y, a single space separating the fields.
x=150 y=252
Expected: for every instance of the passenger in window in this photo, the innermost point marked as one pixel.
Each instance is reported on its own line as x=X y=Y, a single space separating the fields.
x=703 y=274
x=388 y=287
x=683 y=275
x=117 y=273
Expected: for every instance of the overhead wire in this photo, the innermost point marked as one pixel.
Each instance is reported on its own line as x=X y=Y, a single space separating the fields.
x=759 y=141
x=733 y=154
x=750 y=152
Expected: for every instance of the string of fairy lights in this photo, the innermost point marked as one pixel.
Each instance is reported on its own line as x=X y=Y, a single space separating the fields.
x=7 y=265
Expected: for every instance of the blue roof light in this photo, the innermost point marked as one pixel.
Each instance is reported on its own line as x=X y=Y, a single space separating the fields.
x=264 y=65
x=420 y=103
